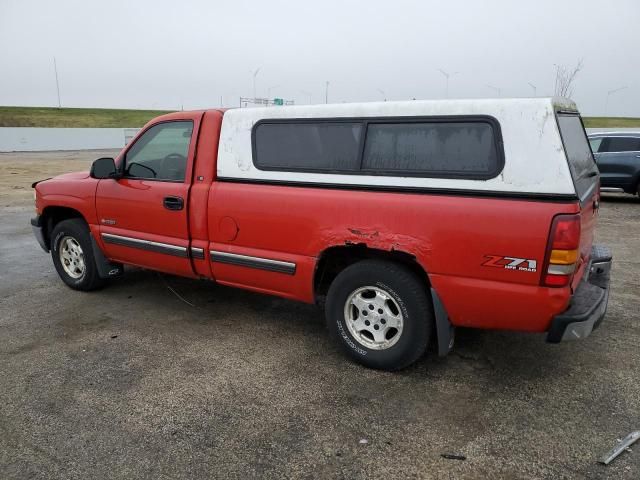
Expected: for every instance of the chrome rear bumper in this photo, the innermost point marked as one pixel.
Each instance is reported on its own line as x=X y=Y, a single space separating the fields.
x=589 y=301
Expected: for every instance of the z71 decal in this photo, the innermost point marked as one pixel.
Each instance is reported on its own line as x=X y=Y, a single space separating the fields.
x=511 y=263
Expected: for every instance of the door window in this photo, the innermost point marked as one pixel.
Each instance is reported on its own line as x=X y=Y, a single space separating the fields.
x=160 y=153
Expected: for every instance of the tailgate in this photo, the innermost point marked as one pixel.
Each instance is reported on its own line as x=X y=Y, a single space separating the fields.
x=586 y=180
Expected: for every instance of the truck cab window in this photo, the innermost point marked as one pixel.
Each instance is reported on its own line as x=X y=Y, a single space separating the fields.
x=160 y=153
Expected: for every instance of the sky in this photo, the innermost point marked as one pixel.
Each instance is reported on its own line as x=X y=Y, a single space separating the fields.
x=191 y=54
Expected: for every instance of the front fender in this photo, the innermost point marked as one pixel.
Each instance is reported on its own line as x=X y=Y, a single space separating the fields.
x=85 y=206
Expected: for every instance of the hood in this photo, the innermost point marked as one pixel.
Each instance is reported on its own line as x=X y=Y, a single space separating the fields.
x=72 y=176
x=60 y=184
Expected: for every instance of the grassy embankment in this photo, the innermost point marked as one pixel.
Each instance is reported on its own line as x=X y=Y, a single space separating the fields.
x=611 y=122
x=109 y=117
x=75 y=117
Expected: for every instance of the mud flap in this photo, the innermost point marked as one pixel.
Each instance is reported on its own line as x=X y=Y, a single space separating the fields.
x=445 y=331
x=106 y=269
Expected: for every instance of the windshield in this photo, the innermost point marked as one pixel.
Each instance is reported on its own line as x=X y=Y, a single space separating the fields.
x=576 y=146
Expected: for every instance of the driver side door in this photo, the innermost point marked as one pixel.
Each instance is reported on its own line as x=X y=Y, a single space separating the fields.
x=143 y=215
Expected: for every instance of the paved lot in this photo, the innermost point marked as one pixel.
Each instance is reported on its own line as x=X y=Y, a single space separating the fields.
x=131 y=382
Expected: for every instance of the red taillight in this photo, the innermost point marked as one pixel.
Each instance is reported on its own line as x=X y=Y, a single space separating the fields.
x=565 y=232
x=556 y=280
x=563 y=252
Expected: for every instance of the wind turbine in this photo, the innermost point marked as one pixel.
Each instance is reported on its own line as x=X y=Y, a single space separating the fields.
x=609 y=93
x=309 y=94
x=495 y=89
x=447 y=75
x=255 y=74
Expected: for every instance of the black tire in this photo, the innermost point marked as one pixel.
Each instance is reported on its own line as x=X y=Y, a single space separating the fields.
x=411 y=299
x=77 y=230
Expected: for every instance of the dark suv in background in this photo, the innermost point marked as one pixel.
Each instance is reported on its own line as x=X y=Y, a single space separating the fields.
x=618 y=157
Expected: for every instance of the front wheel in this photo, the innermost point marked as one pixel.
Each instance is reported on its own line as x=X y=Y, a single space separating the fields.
x=380 y=313
x=72 y=255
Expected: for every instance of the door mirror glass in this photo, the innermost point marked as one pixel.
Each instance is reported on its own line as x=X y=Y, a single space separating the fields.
x=103 y=168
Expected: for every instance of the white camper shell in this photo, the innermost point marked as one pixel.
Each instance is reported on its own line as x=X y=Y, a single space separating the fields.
x=533 y=160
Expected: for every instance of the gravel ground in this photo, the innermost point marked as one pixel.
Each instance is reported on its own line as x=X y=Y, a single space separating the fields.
x=131 y=382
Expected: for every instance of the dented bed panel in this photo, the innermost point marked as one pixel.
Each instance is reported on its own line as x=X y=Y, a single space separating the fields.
x=460 y=241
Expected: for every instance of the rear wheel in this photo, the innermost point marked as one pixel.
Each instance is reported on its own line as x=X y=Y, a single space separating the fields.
x=380 y=313
x=72 y=255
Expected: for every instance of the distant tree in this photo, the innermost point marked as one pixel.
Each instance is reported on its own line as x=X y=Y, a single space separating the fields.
x=565 y=76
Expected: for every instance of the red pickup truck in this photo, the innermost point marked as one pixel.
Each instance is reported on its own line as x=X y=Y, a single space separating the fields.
x=403 y=219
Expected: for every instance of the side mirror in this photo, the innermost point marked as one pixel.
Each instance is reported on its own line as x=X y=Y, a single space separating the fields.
x=104 y=168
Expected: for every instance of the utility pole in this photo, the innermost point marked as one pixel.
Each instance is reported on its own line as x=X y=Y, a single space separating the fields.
x=255 y=74
x=535 y=90
x=446 y=76
x=384 y=95
x=55 y=69
x=326 y=92
x=611 y=92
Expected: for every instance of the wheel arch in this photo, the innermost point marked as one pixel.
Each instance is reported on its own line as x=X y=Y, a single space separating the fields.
x=53 y=215
x=336 y=258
